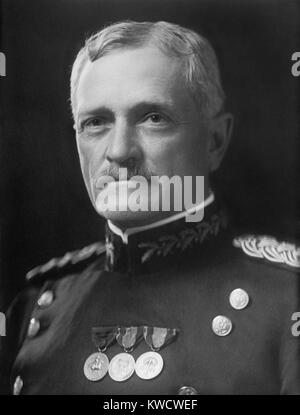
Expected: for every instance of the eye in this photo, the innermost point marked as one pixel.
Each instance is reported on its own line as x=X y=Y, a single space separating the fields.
x=94 y=122
x=94 y=125
x=155 y=118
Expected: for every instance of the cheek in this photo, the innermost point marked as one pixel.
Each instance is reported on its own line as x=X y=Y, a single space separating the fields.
x=198 y=157
x=84 y=157
x=91 y=160
x=194 y=152
x=182 y=154
x=159 y=156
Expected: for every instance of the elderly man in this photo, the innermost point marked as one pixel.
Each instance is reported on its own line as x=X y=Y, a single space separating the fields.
x=172 y=302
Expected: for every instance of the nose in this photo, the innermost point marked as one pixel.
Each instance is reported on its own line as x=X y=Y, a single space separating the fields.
x=122 y=148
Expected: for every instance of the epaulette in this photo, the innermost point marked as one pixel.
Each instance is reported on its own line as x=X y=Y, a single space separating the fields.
x=269 y=248
x=68 y=261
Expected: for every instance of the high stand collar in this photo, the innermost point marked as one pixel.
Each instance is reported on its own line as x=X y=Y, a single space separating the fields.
x=153 y=248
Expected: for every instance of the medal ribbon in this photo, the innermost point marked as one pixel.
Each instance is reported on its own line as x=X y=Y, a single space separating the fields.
x=128 y=337
x=102 y=337
x=158 y=337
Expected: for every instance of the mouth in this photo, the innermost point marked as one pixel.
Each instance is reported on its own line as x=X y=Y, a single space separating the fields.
x=114 y=196
x=102 y=183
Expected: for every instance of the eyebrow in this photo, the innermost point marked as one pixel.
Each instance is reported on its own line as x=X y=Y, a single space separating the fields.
x=154 y=105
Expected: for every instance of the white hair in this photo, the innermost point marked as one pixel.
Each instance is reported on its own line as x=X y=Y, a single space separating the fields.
x=201 y=69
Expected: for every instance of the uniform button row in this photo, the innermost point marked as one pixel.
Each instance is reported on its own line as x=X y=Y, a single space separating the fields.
x=238 y=299
x=45 y=300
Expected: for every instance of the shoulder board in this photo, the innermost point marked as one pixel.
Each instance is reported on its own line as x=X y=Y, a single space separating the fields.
x=69 y=260
x=269 y=248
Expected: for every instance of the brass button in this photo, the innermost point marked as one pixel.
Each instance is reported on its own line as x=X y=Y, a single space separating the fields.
x=18 y=385
x=34 y=327
x=46 y=299
x=187 y=390
x=221 y=325
x=239 y=299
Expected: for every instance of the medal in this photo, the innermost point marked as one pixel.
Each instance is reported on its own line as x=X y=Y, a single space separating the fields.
x=121 y=367
x=149 y=365
x=96 y=365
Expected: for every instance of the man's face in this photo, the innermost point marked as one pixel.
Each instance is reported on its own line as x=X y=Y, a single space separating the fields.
x=134 y=111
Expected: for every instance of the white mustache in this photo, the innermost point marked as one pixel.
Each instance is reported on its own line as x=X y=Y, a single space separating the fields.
x=121 y=174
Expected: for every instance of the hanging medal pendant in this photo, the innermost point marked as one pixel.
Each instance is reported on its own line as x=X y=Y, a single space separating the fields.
x=121 y=367
x=96 y=366
x=149 y=365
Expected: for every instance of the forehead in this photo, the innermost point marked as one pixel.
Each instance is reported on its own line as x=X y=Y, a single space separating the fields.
x=126 y=77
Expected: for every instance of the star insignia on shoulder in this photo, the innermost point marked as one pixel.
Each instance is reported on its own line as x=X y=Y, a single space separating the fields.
x=268 y=247
x=69 y=259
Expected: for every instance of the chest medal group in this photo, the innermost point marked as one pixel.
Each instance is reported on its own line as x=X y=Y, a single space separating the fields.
x=123 y=365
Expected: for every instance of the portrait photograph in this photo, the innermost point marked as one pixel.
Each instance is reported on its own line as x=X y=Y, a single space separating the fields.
x=150 y=204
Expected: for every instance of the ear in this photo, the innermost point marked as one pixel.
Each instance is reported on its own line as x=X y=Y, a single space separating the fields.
x=221 y=131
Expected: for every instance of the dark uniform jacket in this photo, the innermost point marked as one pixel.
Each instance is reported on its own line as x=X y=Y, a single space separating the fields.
x=228 y=303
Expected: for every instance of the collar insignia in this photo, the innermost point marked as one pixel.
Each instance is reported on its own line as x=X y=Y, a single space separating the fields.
x=167 y=244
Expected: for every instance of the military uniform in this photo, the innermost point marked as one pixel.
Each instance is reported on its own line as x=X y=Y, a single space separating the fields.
x=221 y=307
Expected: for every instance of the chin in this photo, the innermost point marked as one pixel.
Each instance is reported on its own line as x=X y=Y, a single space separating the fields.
x=118 y=211
x=129 y=219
